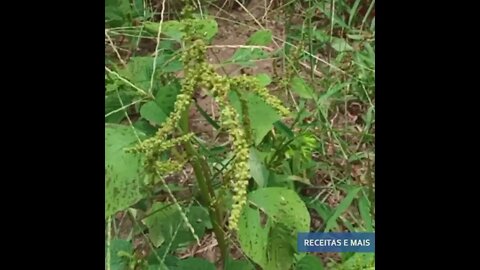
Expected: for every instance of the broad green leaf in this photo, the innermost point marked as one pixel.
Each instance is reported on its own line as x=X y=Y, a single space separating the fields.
x=157 y=111
x=165 y=219
x=153 y=113
x=299 y=86
x=256 y=106
x=280 y=180
x=208 y=28
x=257 y=168
x=281 y=249
x=239 y=265
x=195 y=264
x=309 y=262
x=264 y=79
x=112 y=103
x=123 y=170
x=120 y=252
x=171 y=29
x=342 y=207
x=246 y=56
x=341 y=45
x=159 y=222
x=167 y=95
x=272 y=243
x=117 y=12
x=143 y=126
x=169 y=62
x=170 y=262
x=260 y=38
x=253 y=236
x=139 y=71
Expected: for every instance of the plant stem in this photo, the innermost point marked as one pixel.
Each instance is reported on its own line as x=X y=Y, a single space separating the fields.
x=202 y=174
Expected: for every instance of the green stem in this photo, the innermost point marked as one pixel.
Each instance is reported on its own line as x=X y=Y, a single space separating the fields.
x=202 y=174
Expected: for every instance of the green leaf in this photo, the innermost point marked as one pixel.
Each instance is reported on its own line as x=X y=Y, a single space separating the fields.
x=264 y=79
x=119 y=254
x=195 y=264
x=284 y=129
x=256 y=106
x=165 y=219
x=246 y=57
x=257 y=168
x=341 y=45
x=342 y=207
x=207 y=117
x=123 y=170
x=139 y=71
x=169 y=62
x=272 y=244
x=160 y=222
x=239 y=265
x=323 y=210
x=280 y=180
x=260 y=38
x=171 y=29
x=309 y=262
x=174 y=29
x=153 y=113
x=167 y=95
x=364 y=261
x=143 y=126
x=299 y=179
x=300 y=87
x=364 y=209
x=113 y=103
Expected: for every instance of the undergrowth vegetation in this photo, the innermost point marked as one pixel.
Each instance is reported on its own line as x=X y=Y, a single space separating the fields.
x=287 y=149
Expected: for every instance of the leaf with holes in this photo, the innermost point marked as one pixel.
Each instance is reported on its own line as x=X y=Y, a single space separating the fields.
x=260 y=38
x=269 y=224
x=256 y=106
x=123 y=170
